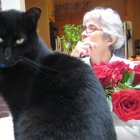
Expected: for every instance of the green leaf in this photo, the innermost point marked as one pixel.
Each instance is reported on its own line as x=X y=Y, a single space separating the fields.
x=128 y=77
x=125 y=77
x=131 y=78
x=122 y=86
x=70 y=34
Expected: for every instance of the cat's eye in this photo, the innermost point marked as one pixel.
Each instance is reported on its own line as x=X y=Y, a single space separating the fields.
x=1 y=40
x=19 y=41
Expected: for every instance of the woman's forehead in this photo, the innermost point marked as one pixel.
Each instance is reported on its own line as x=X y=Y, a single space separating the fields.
x=91 y=23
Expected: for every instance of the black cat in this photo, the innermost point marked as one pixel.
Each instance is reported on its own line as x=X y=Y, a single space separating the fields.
x=52 y=96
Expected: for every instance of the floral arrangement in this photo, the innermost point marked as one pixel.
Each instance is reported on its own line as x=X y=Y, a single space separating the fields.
x=122 y=88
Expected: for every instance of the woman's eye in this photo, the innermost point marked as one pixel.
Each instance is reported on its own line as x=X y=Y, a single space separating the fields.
x=19 y=41
x=1 y=40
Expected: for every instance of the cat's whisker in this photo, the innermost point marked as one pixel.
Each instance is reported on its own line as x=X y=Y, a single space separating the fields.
x=45 y=70
x=29 y=62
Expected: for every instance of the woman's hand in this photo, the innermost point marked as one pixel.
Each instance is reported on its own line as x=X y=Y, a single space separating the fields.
x=82 y=49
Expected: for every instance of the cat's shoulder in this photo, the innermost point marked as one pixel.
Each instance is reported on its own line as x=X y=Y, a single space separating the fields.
x=65 y=60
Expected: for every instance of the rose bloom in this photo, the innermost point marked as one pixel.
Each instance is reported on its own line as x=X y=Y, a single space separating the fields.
x=126 y=104
x=110 y=74
x=137 y=74
x=103 y=73
x=119 y=66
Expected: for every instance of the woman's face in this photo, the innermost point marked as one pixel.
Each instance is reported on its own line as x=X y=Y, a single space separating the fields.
x=94 y=33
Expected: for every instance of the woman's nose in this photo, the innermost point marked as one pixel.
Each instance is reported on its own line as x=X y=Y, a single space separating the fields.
x=84 y=34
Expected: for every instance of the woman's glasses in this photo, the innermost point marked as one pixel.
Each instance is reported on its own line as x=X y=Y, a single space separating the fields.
x=91 y=29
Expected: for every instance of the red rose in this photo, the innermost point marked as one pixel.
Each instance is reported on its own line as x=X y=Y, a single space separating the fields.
x=126 y=104
x=137 y=74
x=103 y=73
x=137 y=67
x=119 y=66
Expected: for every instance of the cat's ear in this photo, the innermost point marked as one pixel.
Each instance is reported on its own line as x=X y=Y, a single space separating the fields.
x=32 y=15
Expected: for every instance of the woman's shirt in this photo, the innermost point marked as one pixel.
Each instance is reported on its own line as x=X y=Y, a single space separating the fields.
x=113 y=58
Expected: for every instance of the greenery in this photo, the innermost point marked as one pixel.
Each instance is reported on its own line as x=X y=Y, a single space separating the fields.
x=126 y=83
x=72 y=34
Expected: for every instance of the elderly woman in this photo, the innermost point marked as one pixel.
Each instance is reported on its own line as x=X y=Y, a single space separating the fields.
x=102 y=35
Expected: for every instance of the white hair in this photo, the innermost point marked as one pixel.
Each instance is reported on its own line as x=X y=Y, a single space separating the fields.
x=110 y=22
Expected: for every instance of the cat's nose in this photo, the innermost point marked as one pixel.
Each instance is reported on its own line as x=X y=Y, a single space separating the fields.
x=7 y=53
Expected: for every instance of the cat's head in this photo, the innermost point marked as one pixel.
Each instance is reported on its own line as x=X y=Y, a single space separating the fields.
x=18 y=36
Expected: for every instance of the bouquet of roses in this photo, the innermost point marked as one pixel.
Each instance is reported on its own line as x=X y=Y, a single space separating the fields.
x=122 y=88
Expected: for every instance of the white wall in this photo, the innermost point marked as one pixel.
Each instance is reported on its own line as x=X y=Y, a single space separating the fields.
x=13 y=4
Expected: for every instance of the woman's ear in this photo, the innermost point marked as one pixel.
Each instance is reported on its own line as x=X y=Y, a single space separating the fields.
x=111 y=40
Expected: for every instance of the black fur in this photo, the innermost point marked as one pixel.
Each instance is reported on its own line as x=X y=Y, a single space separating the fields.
x=52 y=96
